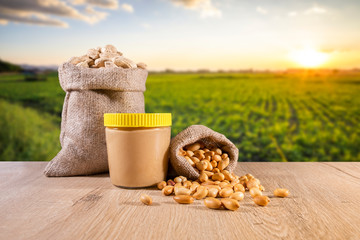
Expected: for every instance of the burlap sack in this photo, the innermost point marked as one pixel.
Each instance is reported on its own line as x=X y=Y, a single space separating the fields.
x=210 y=139
x=89 y=94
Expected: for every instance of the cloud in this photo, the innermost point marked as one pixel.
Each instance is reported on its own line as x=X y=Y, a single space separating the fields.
x=205 y=7
x=127 y=8
x=7 y=15
x=315 y=10
x=94 y=16
x=44 y=12
x=110 y=4
x=261 y=10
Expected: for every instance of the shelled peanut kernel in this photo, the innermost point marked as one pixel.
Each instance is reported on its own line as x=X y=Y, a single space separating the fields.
x=281 y=192
x=184 y=199
x=146 y=199
x=237 y=196
x=212 y=203
x=230 y=204
x=255 y=192
x=161 y=185
x=261 y=200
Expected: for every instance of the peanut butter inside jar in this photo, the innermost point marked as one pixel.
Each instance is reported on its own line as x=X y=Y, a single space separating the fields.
x=137 y=147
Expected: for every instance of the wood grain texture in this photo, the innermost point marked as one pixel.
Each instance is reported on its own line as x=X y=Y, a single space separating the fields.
x=324 y=204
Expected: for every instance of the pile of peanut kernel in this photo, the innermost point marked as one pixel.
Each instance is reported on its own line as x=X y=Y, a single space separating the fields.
x=208 y=163
x=108 y=57
x=219 y=188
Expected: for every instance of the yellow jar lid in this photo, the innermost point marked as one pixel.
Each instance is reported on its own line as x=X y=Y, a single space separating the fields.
x=137 y=119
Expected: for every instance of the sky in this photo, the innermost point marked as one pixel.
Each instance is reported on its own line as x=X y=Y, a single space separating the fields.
x=184 y=34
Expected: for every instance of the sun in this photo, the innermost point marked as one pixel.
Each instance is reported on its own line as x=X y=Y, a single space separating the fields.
x=309 y=57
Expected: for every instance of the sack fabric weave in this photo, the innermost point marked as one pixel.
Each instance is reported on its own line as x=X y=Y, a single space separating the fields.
x=210 y=139
x=89 y=94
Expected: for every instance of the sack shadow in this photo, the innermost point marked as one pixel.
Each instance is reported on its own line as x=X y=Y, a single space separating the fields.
x=101 y=175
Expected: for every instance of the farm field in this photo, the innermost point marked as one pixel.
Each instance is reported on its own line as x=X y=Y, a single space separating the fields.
x=269 y=116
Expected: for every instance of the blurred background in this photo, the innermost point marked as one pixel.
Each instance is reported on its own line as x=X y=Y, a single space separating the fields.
x=281 y=79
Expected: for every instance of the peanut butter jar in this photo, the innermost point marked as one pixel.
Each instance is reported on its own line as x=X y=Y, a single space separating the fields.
x=137 y=147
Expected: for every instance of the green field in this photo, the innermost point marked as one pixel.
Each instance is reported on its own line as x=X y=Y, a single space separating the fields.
x=269 y=116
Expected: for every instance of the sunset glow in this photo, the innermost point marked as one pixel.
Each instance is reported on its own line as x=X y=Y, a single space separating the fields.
x=309 y=57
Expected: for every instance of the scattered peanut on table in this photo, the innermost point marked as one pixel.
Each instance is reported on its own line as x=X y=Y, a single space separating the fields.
x=237 y=196
x=230 y=204
x=146 y=199
x=261 y=200
x=281 y=192
x=212 y=202
x=161 y=185
x=219 y=188
x=168 y=190
x=184 y=199
x=255 y=192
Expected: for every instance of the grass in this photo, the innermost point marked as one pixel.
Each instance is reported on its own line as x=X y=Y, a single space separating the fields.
x=270 y=116
x=26 y=135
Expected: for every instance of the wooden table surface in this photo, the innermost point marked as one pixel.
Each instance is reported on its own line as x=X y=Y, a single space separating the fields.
x=324 y=204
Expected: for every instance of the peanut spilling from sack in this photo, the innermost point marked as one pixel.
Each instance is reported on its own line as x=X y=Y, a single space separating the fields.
x=219 y=188
x=107 y=57
x=209 y=161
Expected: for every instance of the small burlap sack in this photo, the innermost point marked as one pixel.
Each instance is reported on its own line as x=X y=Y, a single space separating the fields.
x=210 y=139
x=89 y=94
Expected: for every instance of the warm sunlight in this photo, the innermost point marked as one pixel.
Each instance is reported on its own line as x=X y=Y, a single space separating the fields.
x=309 y=57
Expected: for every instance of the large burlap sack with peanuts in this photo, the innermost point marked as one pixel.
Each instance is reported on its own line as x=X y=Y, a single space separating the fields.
x=91 y=92
x=209 y=138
